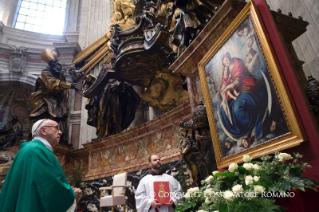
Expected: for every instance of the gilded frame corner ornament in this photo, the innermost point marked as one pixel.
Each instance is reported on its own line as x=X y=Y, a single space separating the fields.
x=229 y=136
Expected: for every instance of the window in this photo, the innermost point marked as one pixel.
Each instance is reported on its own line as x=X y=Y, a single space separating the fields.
x=43 y=16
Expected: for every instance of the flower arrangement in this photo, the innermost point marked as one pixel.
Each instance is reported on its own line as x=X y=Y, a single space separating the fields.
x=249 y=187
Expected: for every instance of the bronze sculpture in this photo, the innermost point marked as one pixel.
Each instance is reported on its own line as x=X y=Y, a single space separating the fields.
x=50 y=97
x=141 y=43
x=11 y=133
x=196 y=145
x=113 y=110
x=138 y=48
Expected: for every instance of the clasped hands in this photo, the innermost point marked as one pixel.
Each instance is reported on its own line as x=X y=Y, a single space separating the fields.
x=156 y=204
x=78 y=193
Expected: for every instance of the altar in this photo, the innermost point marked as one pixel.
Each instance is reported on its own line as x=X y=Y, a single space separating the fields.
x=218 y=84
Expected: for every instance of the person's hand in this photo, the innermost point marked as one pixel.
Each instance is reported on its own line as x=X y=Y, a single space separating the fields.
x=78 y=193
x=170 y=204
x=155 y=204
x=73 y=86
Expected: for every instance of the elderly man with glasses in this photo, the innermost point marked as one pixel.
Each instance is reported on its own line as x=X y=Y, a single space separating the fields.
x=36 y=181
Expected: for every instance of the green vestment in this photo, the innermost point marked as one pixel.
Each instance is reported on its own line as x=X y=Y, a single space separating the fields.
x=35 y=182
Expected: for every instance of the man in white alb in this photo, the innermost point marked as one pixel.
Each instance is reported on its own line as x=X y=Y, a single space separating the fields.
x=144 y=194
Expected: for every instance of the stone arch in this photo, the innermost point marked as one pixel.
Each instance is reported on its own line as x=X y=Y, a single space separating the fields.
x=15 y=91
x=16 y=77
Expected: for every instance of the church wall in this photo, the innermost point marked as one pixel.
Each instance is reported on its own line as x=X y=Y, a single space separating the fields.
x=95 y=18
x=307 y=45
x=129 y=150
x=8 y=10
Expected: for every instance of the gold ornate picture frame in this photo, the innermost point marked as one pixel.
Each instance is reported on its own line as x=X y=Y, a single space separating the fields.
x=248 y=105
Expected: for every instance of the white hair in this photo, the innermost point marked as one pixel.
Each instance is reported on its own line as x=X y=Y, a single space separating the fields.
x=37 y=126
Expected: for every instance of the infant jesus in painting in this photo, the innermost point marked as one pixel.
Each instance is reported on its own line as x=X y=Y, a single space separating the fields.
x=226 y=80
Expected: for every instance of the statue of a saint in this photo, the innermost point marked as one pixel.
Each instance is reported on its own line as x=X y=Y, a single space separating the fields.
x=11 y=133
x=50 y=97
x=113 y=110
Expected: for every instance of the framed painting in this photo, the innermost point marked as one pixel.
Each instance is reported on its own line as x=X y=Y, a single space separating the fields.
x=249 y=107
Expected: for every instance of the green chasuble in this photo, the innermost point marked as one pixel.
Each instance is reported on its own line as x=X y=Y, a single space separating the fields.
x=35 y=182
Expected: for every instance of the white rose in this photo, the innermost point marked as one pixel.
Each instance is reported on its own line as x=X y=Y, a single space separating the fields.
x=248 y=166
x=208 y=201
x=209 y=192
x=232 y=167
x=248 y=179
x=246 y=158
x=256 y=179
x=215 y=172
x=215 y=211
x=284 y=156
x=189 y=190
x=228 y=195
x=208 y=179
x=187 y=195
x=237 y=189
x=201 y=211
x=256 y=167
x=195 y=189
x=259 y=189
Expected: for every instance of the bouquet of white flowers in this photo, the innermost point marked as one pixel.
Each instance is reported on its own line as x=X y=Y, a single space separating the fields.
x=249 y=187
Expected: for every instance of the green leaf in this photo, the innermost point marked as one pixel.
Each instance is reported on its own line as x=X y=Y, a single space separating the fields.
x=225 y=174
x=285 y=185
x=242 y=170
x=299 y=187
x=296 y=181
x=223 y=207
x=183 y=207
x=297 y=171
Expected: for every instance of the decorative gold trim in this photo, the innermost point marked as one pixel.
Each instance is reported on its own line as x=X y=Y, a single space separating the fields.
x=88 y=50
x=96 y=59
x=107 y=59
x=296 y=135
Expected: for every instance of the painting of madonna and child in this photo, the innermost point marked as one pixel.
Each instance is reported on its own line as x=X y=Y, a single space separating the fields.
x=246 y=108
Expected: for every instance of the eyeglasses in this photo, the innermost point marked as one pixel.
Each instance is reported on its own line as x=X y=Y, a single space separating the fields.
x=55 y=127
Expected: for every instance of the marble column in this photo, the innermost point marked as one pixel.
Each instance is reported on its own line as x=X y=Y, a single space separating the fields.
x=95 y=18
x=8 y=9
x=71 y=22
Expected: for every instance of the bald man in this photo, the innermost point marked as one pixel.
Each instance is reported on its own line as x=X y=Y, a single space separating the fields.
x=36 y=181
